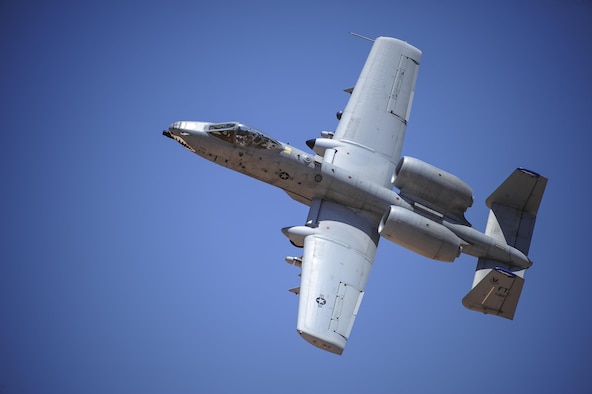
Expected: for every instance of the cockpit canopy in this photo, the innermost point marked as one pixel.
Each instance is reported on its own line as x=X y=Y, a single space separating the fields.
x=242 y=135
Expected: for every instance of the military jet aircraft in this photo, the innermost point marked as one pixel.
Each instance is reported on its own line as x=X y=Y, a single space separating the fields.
x=347 y=181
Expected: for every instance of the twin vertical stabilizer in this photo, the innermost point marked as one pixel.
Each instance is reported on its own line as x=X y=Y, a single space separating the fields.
x=513 y=209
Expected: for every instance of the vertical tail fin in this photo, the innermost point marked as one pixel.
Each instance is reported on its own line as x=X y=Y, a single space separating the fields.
x=513 y=209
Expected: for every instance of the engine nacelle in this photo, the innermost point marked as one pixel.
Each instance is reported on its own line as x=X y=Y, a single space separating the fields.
x=430 y=186
x=419 y=234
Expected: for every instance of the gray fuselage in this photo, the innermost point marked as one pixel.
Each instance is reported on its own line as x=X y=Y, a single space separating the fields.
x=305 y=177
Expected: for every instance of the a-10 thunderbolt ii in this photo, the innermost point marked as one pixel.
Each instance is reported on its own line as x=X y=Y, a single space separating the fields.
x=348 y=184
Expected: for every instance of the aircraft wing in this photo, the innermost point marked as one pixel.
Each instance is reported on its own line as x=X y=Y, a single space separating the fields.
x=372 y=127
x=340 y=243
x=338 y=256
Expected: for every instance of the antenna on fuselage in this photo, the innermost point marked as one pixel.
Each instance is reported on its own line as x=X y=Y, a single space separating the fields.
x=360 y=36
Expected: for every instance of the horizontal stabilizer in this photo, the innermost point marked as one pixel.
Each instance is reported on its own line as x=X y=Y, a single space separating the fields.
x=496 y=294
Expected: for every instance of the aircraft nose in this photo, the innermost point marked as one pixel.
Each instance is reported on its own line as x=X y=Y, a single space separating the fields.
x=174 y=129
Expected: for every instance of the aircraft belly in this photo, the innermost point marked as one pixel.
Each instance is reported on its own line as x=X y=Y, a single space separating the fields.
x=303 y=179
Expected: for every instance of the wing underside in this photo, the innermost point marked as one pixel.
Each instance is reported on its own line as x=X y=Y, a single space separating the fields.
x=372 y=127
x=336 y=265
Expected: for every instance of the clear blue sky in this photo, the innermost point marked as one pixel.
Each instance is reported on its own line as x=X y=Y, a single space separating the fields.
x=129 y=265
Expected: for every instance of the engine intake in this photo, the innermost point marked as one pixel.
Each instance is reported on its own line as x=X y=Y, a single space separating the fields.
x=419 y=234
x=433 y=187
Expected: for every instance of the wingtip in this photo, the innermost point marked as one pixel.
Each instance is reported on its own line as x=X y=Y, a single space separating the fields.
x=323 y=343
